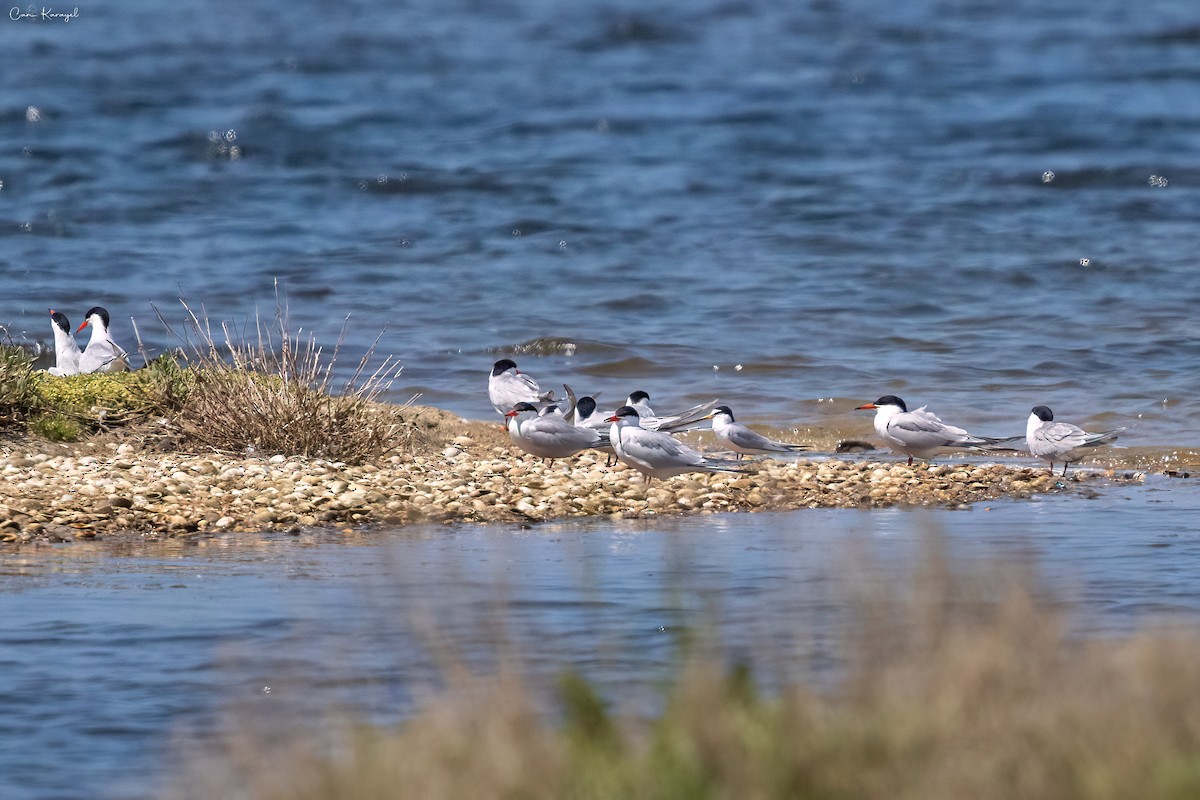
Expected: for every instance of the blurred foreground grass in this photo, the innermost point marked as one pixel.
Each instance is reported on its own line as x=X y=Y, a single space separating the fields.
x=951 y=687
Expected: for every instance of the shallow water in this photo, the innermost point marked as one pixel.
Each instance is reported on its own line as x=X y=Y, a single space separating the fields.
x=844 y=198
x=124 y=655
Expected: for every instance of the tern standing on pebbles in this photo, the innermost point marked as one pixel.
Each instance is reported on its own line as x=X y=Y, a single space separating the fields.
x=920 y=433
x=656 y=454
x=508 y=386
x=66 y=351
x=102 y=354
x=743 y=441
x=1060 y=441
x=549 y=435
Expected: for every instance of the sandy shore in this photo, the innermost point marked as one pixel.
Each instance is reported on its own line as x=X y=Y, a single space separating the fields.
x=466 y=471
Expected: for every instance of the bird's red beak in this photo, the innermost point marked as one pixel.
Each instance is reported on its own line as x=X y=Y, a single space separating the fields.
x=52 y=312
x=82 y=325
x=511 y=414
x=868 y=405
x=613 y=419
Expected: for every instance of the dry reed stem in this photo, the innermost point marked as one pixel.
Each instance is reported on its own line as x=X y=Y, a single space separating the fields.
x=276 y=393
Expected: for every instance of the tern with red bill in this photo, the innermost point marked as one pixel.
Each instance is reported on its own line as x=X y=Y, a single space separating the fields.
x=102 y=354
x=656 y=454
x=549 y=435
x=919 y=433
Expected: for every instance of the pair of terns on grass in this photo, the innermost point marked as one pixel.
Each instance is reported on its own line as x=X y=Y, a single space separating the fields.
x=537 y=426
x=102 y=354
x=634 y=433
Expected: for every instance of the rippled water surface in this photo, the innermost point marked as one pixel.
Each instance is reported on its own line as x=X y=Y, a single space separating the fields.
x=844 y=198
x=122 y=655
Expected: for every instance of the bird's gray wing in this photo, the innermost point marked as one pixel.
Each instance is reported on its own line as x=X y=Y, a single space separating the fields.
x=744 y=437
x=1062 y=435
x=548 y=431
x=664 y=449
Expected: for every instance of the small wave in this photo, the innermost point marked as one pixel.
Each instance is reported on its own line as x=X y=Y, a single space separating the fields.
x=552 y=346
x=626 y=30
x=425 y=181
x=646 y=301
x=626 y=368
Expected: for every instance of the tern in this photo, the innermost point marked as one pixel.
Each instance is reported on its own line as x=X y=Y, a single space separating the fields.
x=1060 y=441
x=102 y=354
x=920 y=433
x=656 y=454
x=549 y=436
x=639 y=401
x=508 y=386
x=66 y=350
x=587 y=416
x=743 y=441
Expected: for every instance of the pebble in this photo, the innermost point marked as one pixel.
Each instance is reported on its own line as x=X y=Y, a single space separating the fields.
x=151 y=493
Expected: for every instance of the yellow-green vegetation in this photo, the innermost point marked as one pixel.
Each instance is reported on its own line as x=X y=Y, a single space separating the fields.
x=953 y=689
x=112 y=398
x=56 y=428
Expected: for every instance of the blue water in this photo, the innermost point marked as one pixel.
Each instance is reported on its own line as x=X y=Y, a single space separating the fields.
x=845 y=198
x=978 y=206
x=121 y=662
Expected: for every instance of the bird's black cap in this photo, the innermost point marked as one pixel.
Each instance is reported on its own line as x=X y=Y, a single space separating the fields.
x=1043 y=413
x=585 y=406
x=626 y=411
x=102 y=312
x=503 y=364
x=724 y=410
x=891 y=400
x=60 y=319
x=638 y=396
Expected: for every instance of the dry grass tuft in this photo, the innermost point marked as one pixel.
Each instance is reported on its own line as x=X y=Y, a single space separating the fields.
x=275 y=394
x=953 y=688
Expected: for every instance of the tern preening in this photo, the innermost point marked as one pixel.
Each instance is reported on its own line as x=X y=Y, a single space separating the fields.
x=743 y=441
x=588 y=416
x=1060 y=441
x=102 y=354
x=508 y=386
x=920 y=433
x=66 y=350
x=656 y=454
x=549 y=436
